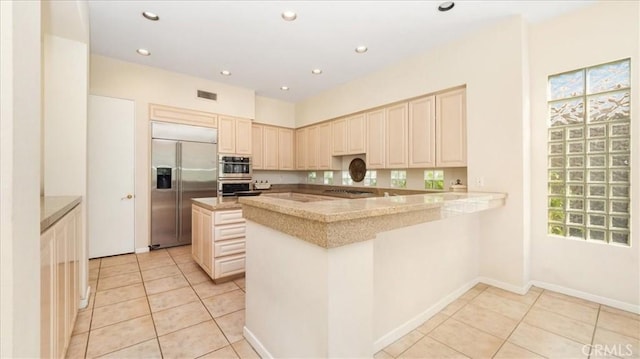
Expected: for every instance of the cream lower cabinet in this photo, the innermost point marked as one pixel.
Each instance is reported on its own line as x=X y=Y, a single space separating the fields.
x=59 y=285
x=218 y=241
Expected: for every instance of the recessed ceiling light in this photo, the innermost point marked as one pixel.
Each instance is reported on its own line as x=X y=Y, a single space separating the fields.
x=446 y=6
x=289 y=15
x=143 y=52
x=150 y=16
x=361 y=49
x=316 y=71
x=284 y=88
x=225 y=73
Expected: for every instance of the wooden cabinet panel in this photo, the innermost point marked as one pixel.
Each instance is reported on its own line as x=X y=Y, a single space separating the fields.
x=196 y=234
x=48 y=325
x=257 y=146
x=229 y=265
x=339 y=137
x=422 y=135
x=396 y=129
x=228 y=217
x=181 y=115
x=451 y=129
x=376 y=139
x=226 y=248
x=271 y=151
x=207 y=245
x=226 y=135
x=231 y=231
x=301 y=149
x=312 y=148
x=285 y=149
x=356 y=134
x=243 y=136
x=323 y=145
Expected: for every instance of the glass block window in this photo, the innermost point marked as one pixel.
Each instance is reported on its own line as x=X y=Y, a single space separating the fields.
x=327 y=177
x=346 y=179
x=399 y=179
x=588 y=153
x=371 y=178
x=311 y=177
x=433 y=179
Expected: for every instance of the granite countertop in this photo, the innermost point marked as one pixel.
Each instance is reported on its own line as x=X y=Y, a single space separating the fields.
x=217 y=203
x=344 y=221
x=52 y=208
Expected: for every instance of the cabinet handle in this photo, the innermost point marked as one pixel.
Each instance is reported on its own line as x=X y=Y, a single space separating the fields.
x=129 y=196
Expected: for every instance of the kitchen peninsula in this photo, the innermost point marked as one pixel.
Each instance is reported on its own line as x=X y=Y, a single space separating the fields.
x=344 y=278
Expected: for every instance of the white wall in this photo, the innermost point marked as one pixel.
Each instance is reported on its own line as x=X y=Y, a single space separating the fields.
x=275 y=112
x=490 y=62
x=145 y=85
x=602 y=33
x=20 y=117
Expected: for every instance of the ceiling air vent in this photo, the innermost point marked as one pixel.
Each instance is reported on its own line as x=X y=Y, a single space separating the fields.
x=208 y=95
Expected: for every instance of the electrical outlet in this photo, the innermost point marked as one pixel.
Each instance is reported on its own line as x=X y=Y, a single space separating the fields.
x=480 y=181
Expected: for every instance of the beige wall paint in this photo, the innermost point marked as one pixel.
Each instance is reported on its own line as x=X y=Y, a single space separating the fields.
x=145 y=85
x=20 y=118
x=275 y=112
x=490 y=63
x=602 y=33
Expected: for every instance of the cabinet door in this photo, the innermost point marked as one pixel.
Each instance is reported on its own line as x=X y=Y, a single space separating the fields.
x=207 y=242
x=243 y=136
x=257 y=146
x=422 y=132
x=271 y=151
x=451 y=129
x=339 y=137
x=396 y=136
x=226 y=135
x=301 y=149
x=285 y=149
x=323 y=146
x=48 y=307
x=196 y=234
x=60 y=284
x=376 y=141
x=312 y=148
x=356 y=132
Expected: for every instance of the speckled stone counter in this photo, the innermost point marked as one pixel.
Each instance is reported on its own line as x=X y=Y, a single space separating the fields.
x=340 y=222
x=217 y=203
x=52 y=208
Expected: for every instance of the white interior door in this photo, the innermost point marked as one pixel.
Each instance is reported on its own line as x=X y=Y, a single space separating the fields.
x=110 y=198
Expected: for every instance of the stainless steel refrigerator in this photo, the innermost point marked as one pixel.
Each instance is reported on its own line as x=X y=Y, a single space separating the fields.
x=183 y=166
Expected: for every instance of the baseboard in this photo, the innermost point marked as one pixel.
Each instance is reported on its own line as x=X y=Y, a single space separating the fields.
x=256 y=344
x=416 y=321
x=142 y=250
x=85 y=301
x=506 y=286
x=588 y=296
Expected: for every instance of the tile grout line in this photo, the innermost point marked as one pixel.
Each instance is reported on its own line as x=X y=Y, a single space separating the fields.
x=595 y=328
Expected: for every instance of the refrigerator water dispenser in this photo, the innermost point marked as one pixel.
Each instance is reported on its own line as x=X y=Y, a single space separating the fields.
x=164 y=178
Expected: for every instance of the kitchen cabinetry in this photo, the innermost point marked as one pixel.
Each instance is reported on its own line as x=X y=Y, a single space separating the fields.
x=218 y=241
x=451 y=129
x=312 y=147
x=234 y=135
x=257 y=146
x=422 y=132
x=270 y=149
x=181 y=115
x=265 y=147
x=376 y=139
x=285 y=149
x=348 y=135
x=323 y=148
x=59 y=284
x=339 y=137
x=396 y=129
x=301 y=148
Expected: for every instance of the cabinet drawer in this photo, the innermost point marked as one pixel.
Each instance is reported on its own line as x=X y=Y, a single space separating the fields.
x=224 y=217
x=231 y=231
x=229 y=265
x=225 y=248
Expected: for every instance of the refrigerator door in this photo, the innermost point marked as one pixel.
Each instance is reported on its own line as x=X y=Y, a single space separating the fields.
x=198 y=167
x=164 y=193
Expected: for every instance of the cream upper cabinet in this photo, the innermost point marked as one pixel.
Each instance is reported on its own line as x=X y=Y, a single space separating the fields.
x=285 y=149
x=356 y=134
x=376 y=139
x=451 y=129
x=271 y=152
x=312 y=148
x=257 y=146
x=182 y=115
x=301 y=148
x=323 y=147
x=339 y=137
x=234 y=135
x=422 y=132
x=397 y=142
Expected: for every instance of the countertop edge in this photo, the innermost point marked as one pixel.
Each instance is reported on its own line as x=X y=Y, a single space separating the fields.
x=216 y=203
x=53 y=208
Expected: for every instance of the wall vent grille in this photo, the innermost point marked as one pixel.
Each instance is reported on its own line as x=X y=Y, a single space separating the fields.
x=208 y=95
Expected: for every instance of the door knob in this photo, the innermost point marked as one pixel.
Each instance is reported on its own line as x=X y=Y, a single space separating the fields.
x=129 y=196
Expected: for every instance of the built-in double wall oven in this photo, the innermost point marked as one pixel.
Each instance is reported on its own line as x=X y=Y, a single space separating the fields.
x=234 y=174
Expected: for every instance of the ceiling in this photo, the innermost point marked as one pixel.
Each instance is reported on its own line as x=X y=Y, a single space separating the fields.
x=263 y=52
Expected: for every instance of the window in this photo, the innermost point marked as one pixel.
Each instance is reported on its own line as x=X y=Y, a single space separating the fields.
x=311 y=177
x=399 y=179
x=589 y=153
x=433 y=179
x=371 y=178
x=346 y=178
x=327 y=177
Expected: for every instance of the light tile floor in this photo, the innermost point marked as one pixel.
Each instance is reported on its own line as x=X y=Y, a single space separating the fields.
x=162 y=305
x=159 y=305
